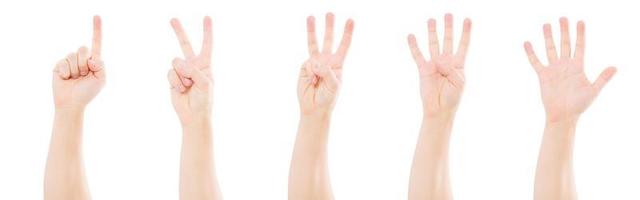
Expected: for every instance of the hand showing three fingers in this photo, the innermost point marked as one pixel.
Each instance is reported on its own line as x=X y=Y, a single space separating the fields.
x=190 y=77
x=79 y=77
x=441 y=78
x=321 y=74
x=566 y=91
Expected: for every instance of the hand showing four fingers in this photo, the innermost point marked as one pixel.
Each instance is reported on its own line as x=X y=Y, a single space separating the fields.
x=566 y=91
x=79 y=77
x=190 y=77
x=321 y=74
x=441 y=78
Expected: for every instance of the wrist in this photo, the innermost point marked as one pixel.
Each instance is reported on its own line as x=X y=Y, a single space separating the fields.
x=562 y=119
x=196 y=122
x=198 y=128
x=560 y=131
x=438 y=124
x=316 y=116
x=555 y=116
x=193 y=117
x=314 y=126
x=62 y=109
x=562 y=124
x=561 y=127
x=443 y=116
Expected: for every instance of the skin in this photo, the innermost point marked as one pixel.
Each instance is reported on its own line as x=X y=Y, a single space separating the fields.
x=77 y=79
x=191 y=90
x=318 y=87
x=441 y=85
x=566 y=94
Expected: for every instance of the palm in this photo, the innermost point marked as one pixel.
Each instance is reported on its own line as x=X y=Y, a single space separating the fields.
x=190 y=78
x=316 y=93
x=78 y=91
x=438 y=90
x=321 y=75
x=441 y=78
x=566 y=91
x=195 y=101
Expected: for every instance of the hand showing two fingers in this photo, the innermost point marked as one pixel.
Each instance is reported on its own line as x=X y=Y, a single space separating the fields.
x=441 y=78
x=80 y=76
x=321 y=74
x=566 y=91
x=190 y=77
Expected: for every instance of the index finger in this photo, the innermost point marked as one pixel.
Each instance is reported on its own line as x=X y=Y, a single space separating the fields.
x=579 y=52
x=208 y=38
x=346 y=40
x=96 y=45
x=466 y=37
x=182 y=38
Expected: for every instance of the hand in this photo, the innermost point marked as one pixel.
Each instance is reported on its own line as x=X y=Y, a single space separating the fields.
x=79 y=77
x=321 y=74
x=441 y=78
x=190 y=78
x=566 y=91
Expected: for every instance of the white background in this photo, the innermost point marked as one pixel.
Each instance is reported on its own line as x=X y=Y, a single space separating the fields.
x=132 y=135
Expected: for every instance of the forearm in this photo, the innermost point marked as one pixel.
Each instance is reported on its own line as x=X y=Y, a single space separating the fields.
x=64 y=172
x=197 y=172
x=309 y=174
x=430 y=171
x=554 y=174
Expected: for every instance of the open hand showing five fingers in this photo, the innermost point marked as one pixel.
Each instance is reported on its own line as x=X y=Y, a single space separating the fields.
x=441 y=78
x=79 y=77
x=321 y=74
x=190 y=78
x=566 y=91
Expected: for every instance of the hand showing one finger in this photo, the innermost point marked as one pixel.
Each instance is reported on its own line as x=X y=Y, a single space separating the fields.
x=79 y=77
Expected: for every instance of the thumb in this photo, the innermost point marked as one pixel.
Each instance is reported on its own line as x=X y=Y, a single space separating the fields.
x=604 y=78
x=187 y=70
x=200 y=79
x=327 y=75
x=97 y=67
